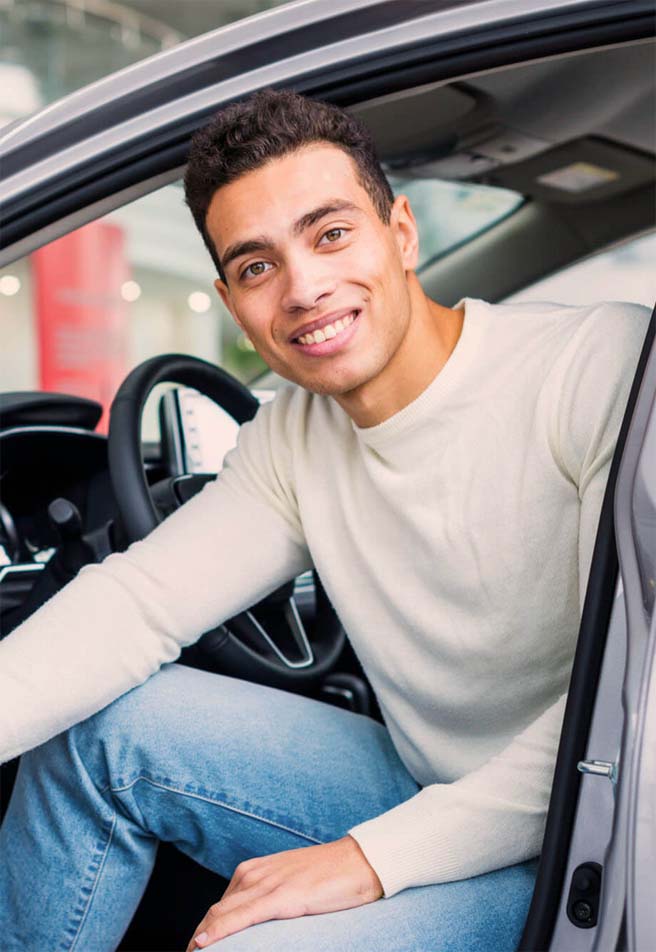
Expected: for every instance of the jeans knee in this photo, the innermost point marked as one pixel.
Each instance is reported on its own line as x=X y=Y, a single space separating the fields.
x=106 y=741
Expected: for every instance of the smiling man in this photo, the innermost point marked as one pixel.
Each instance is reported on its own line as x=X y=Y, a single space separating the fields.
x=443 y=469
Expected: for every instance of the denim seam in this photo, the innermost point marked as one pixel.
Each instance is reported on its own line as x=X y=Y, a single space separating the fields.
x=220 y=803
x=96 y=878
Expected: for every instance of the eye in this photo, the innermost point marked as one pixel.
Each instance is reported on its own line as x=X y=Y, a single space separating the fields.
x=334 y=234
x=256 y=269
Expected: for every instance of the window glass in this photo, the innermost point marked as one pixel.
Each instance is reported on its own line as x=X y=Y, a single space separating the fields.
x=623 y=273
x=450 y=213
x=77 y=315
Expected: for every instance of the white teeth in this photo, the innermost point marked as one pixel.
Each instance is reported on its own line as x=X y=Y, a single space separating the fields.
x=328 y=331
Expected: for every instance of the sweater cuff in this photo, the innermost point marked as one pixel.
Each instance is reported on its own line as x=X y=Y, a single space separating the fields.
x=401 y=862
x=447 y=832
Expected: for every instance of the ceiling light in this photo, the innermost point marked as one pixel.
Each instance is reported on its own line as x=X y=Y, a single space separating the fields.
x=130 y=291
x=9 y=285
x=199 y=302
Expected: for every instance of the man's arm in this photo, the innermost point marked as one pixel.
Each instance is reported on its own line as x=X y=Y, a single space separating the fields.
x=116 y=623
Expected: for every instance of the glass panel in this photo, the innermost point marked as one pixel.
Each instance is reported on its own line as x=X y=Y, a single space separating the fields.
x=623 y=273
x=450 y=213
x=77 y=315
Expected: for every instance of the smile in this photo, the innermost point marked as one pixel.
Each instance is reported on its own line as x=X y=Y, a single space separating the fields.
x=326 y=332
x=329 y=336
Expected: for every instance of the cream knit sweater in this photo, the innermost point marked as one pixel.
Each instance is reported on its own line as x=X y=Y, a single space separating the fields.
x=454 y=540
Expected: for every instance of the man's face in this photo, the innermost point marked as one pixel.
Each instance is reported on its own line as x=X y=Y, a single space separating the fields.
x=304 y=250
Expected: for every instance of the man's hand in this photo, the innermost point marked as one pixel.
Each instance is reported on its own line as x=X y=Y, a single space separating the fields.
x=302 y=882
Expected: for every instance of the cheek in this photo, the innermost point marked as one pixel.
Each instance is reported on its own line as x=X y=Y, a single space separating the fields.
x=254 y=316
x=368 y=271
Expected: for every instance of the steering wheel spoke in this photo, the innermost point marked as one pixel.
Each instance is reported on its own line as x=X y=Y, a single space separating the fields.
x=269 y=642
x=290 y=646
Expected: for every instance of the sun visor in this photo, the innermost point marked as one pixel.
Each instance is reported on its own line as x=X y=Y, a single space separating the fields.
x=436 y=118
x=583 y=170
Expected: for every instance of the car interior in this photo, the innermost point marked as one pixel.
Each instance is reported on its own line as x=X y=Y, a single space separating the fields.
x=572 y=137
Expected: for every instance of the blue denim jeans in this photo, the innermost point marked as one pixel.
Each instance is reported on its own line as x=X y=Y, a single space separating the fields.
x=225 y=770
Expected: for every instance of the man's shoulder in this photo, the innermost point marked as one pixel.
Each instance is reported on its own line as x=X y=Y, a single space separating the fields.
x=615 y=317
x=610 y=332
x=595 y=371
x=612 y=313
x=573 y=333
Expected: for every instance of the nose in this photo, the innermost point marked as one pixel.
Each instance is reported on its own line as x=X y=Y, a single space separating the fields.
x=307 y=283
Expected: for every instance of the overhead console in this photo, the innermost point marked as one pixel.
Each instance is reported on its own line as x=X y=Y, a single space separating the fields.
x=569 y=129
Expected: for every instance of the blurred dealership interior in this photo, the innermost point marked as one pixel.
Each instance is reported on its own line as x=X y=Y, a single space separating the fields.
x=77 y=315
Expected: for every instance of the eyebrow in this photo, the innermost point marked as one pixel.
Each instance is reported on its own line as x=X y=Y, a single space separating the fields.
x=263 y=243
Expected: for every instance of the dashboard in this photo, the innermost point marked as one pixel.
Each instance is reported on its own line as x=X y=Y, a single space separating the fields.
x=40 y=462
x=57 y=506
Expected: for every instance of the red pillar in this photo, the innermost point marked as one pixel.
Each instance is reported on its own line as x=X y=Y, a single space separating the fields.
x=81 y=318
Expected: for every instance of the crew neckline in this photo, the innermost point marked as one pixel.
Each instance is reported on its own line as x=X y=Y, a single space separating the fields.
x=405 y=418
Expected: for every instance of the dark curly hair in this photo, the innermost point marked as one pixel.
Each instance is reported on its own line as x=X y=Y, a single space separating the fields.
x=269 y=124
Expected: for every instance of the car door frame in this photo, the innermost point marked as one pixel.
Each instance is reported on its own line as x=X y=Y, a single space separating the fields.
x=588 y=820
x=129 y=133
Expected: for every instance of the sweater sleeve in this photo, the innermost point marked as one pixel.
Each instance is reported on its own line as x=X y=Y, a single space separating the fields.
x=117 y=622
x=494 y=816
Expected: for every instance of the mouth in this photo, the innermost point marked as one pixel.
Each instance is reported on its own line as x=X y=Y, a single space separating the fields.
x=330 y=334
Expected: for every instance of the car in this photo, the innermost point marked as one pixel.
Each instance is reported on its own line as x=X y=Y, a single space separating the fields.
x=524 y=135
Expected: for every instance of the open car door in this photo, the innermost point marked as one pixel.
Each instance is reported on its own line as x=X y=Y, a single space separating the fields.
x=638 y=559
x=597 y=878
x=631 y=855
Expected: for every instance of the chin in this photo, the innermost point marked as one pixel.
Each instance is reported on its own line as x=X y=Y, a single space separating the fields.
x=332 y=382
x=337 y=385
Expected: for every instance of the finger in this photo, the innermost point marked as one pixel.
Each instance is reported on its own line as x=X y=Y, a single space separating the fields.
x=227 y=922
x=230 y=891
x=201 y=928
x=239 y=898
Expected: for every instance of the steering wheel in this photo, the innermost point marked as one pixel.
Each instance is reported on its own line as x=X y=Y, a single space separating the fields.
x=268 y=643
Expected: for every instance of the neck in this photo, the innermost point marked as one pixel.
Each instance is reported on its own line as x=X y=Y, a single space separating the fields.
x=429 y=341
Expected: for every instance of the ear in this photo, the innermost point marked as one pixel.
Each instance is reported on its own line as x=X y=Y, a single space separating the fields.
x=404 y=229
x=224 y=293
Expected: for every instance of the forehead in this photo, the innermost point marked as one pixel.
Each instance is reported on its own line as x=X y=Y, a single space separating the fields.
x=269 y=199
